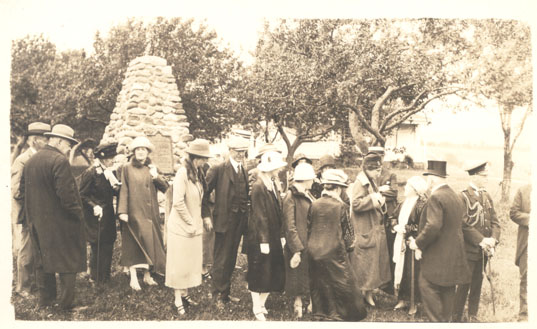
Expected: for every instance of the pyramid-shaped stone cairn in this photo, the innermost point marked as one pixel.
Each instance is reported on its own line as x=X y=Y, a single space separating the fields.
x=149 y=104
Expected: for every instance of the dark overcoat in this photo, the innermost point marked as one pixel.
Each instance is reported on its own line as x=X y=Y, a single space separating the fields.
x=54 y=212
x=266 y=272
x=220 y=178
x=95 y=190
x=386 y=177
x=295 y=224
x=441 y=239
x=520 y=214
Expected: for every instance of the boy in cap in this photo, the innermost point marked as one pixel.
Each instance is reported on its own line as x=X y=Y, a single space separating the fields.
x=22 y=244
x=98 y=186
x=479 y=212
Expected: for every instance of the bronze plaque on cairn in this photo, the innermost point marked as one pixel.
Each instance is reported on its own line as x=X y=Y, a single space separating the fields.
x=162 y=157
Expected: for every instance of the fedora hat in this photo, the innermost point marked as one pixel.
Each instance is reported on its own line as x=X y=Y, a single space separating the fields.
x=266 y=148
x=238 y=144
x=271 y=161
x=298 y=157
x=141 y=141
x=303 y=171
x=436 y=168
x=105 y=151
x=62 y=131
x=38 y=128
x=199 y=147
x=335 y=177
x=327 y=160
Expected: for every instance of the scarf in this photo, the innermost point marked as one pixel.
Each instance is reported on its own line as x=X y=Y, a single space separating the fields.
x=399 y=245
x=107 y=172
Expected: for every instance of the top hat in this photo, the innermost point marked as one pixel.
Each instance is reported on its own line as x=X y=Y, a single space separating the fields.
x=298 y=157
x=38 y=128
x=141 y=141
x=335 y=177
x=271 y=161
x=436 y=168
x=105 y=151
x=199 y=147
x=303 y=171
x=62 y=131
x=476 y=169
x=327 y=160
x=238 y=144
x=266 y=148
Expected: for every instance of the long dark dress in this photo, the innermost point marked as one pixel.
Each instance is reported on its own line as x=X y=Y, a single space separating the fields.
x=411 y=229
x=334 y=293
x=266 y=272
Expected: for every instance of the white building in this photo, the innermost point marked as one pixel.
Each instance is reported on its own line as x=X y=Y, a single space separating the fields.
x=408 y=139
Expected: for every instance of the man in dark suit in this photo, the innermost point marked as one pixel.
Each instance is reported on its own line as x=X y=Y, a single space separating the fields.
x=479 y=213
x=520 y=214
x=54 y=214
x=440 y=243
x=230 y=215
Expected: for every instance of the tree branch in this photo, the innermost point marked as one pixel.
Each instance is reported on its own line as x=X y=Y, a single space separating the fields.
x=528 y=110
x=364 y=122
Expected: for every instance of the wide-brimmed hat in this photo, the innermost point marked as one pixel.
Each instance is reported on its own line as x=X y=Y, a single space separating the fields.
x=335 y=177
x=477 y=168
x=38 y=128
x=327 y=160
x=141 y=141
x=436 y=168
x=376 y=150
x=105 y=151
x=87 y=144
x=372 y=161
x=418 y=184
x=199 y=147
x=298 y=157
x=271 y=161
x=303 y=171
x=266 y=148
x=62 y=131
x=238 y=144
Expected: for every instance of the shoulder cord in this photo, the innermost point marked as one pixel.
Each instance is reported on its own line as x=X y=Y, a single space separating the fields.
x=478 y=211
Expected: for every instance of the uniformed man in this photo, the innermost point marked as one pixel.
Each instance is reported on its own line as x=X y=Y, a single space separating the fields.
x=479 y=213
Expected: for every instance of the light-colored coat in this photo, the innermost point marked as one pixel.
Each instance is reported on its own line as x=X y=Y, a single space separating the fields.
x=17 y=215
x=184 y=233
x=370 y=258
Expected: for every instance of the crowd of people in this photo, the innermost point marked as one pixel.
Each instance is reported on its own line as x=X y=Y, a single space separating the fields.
x=326 y=242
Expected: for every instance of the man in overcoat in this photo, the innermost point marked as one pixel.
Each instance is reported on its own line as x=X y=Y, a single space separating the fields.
x=520 y=214
x=229 y=180
x=479 y=213
x=440 y=243
x=22 y=242
x=54 y=214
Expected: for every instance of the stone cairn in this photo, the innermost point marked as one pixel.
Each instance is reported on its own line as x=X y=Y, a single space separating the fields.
x=149 y=104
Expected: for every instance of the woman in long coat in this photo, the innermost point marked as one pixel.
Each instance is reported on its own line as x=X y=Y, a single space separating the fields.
x=266 y=268
x=185 y=226
x=405 y=223
x=370 y=259
x=296 y=205
x=98 y=187
x=141 y=238
x=334 y=292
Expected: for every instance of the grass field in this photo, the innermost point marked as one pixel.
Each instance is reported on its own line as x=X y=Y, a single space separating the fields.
x=116 y=301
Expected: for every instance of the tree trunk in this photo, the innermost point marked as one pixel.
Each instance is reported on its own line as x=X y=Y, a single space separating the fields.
x=354 y=127
x=507 y=168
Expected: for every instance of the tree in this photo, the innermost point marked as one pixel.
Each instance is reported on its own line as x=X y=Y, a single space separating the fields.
x=503 y=73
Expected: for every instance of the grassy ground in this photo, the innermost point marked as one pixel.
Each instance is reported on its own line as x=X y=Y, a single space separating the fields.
x=116 y=301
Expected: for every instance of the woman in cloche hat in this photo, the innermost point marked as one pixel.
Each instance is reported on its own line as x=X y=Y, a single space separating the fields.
x=142 y=244
x=266 y=268
x=185 y=226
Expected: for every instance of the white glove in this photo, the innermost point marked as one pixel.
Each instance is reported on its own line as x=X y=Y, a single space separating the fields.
x=378 y=199
x=282 y=240
x=417 y=254
x=399 y=228
x=412 y=244
x=153 y=171
x=295 y=260
x=487 y=243
x=98 y=211
x=124 y=217
x=384 y=188
x=265 y=249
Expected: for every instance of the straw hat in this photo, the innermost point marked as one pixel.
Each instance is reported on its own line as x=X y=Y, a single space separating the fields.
x=271 y=161
x=62 y=131
x=141 y=141
x=199 y=147
x=303 y=171
x=38 y=128
x=238 y=144
x=335 y=177
x=266 y=148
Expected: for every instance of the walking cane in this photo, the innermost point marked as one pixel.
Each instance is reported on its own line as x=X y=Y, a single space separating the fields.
x=98 y=244
x=412 y=311
x=488 y=276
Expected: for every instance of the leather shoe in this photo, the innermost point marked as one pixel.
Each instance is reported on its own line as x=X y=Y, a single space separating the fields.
x=188 y=301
